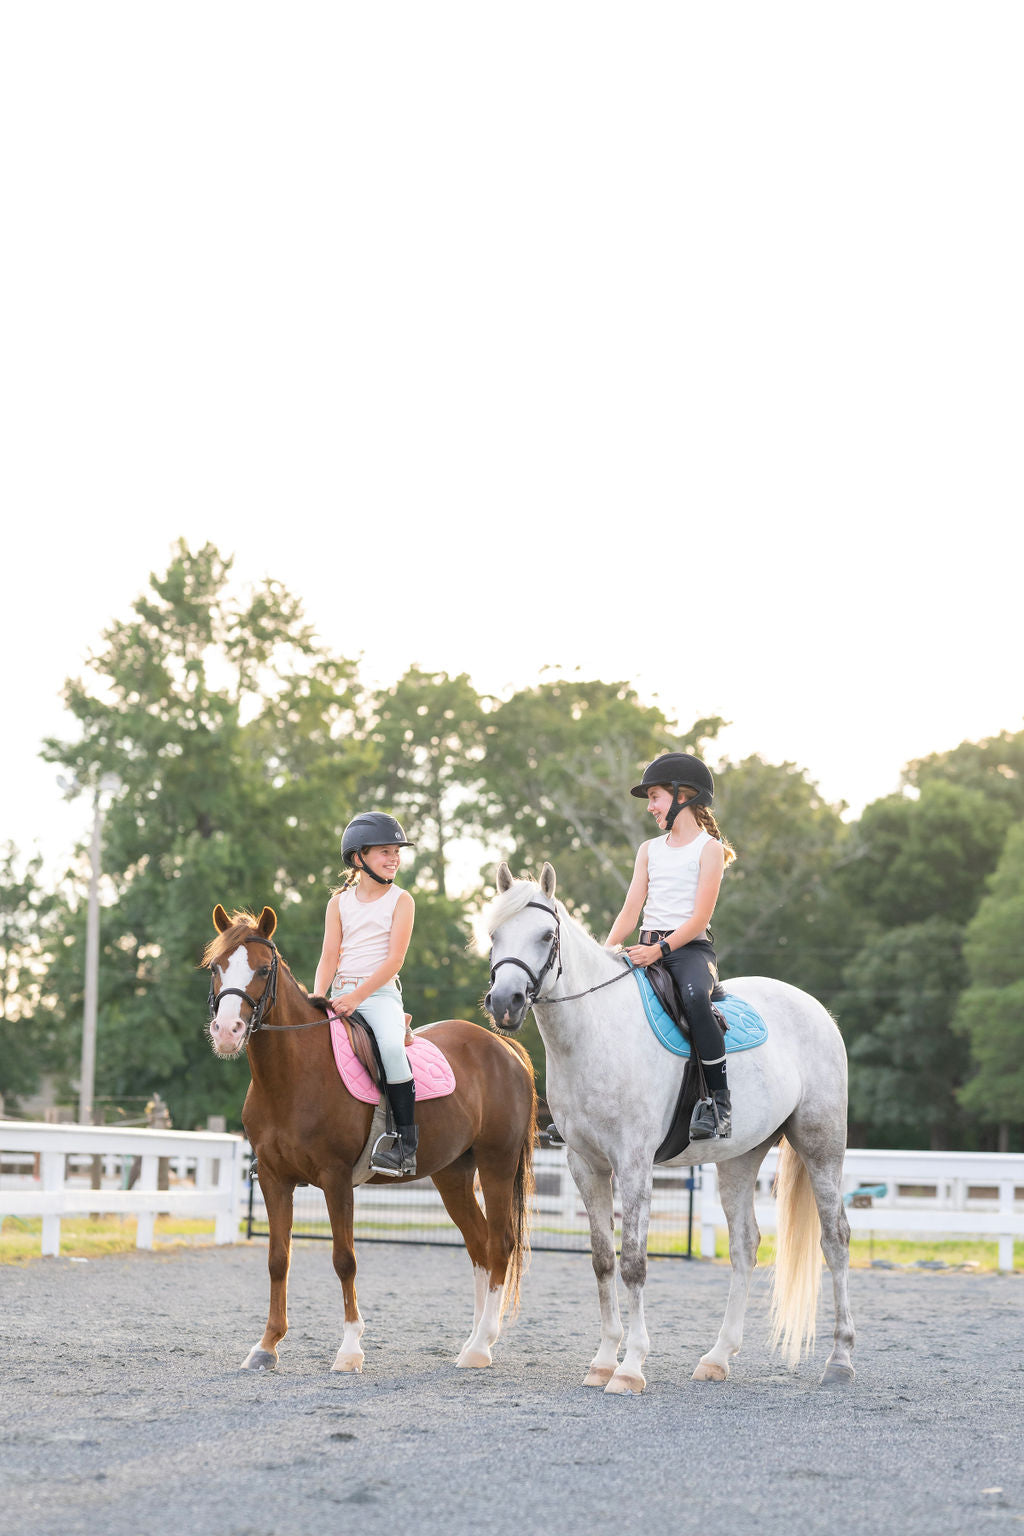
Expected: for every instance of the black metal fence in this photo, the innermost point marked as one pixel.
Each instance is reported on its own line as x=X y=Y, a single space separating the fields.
x=414 y=1213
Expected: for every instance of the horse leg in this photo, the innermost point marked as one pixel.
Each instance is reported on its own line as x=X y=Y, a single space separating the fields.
x=635 y=1187
x=595 y=1186
x=824 y=1163
x=340 y=1205
x=455 y=1186
x=277 y=1197
x=737 y=1177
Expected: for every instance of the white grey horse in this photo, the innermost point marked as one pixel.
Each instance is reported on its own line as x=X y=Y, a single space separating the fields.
x=612 y=1088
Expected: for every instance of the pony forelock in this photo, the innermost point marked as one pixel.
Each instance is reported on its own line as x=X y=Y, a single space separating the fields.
x=511 y=902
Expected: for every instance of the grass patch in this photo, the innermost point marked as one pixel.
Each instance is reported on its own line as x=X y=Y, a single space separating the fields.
x=903 y=1254
x=85 y=1238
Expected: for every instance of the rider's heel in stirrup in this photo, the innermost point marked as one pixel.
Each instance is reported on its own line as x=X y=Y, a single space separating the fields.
x=395 y=1155
x=712 y=1117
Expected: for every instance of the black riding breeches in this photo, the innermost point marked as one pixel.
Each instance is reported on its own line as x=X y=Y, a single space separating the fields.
x=695 y=973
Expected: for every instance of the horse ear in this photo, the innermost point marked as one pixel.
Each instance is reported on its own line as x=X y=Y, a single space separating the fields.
x=504 y=877
x=547 y=881
x=221 y=921
x=267 y=922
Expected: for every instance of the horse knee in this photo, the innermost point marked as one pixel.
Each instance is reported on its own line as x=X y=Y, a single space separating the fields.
x=633 y=1267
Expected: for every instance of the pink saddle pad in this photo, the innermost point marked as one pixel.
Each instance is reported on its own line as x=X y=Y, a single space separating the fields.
x=433 y=1076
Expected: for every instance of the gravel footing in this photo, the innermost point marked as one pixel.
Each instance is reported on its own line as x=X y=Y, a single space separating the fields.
x=123 y=1410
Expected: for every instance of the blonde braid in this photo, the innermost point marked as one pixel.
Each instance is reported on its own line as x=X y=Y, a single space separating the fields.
x=705 y=819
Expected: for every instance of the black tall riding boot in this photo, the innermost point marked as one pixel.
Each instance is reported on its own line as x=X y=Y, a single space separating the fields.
x=399 y=1159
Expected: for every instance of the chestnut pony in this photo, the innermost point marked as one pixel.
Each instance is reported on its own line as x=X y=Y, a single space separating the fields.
x=305 y=1127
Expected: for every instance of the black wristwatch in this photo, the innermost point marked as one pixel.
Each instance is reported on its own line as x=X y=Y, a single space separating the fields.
x=666 y=949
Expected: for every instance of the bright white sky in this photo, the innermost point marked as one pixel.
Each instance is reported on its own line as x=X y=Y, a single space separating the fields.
x=679 y=343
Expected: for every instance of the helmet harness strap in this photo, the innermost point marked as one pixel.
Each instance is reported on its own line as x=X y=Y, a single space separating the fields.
x=700 y=798
x=380 y=879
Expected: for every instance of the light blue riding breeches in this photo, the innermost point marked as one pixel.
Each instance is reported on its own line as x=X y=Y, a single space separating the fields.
x=384 y=1011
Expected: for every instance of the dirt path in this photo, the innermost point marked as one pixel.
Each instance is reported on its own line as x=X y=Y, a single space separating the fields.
x=123 y=1412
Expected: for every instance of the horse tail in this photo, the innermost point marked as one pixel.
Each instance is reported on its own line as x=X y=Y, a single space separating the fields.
x=797 y=1278
x=522 y=1192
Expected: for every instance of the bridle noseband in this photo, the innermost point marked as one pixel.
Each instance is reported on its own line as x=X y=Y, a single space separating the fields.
x=258 y=1008
x=554 y=953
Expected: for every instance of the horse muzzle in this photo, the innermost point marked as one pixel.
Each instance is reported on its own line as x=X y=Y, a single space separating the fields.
x=227 y=1036
x=507 y=1005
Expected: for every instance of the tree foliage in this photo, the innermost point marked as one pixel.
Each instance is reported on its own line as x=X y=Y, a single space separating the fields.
x=243 y=747
x=990 y=1013
x=28 y=1018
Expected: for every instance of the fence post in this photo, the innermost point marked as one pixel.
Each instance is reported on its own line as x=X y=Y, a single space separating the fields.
x=147 y=1219
x=1006 y=1193
x=53 y=1171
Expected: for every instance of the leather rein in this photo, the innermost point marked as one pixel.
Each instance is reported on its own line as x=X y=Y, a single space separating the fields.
x=554 y=954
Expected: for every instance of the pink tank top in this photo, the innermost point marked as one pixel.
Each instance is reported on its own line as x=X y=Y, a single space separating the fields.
x=365 y=931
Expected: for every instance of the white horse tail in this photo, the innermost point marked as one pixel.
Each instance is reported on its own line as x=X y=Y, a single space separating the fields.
x=797 y=1279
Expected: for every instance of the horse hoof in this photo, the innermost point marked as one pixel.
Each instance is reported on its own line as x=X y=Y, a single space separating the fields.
x=473 y=1359
x=626 y=1386
x=838 y=1375
x=599 y=1376
x=352 y=1364
x=710 y=1370
x=259 y=1359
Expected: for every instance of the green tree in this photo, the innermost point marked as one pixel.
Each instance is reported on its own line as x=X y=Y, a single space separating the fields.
x=428 y=731
x=991 y=1009
x=912 y=859
x=231 y=733
x=560 y=759
x=994 y=767
x=27 y=1017
x=781 y=912
x=895 y=1011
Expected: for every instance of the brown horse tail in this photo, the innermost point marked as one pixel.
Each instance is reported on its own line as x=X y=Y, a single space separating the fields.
x=797 y=1277
x=522 y=1193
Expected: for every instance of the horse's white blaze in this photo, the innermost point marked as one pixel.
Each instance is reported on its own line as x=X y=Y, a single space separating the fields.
x=236 y=973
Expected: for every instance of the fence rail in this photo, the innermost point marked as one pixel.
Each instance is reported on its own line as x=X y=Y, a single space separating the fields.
x=216 y=1163
x=919 y=1194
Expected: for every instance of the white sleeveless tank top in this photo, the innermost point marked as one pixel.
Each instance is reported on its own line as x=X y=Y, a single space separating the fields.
x=672 y=876
x=365 y=931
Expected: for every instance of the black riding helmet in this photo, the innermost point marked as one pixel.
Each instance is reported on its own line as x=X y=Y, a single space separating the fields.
x=680 y=770
x=371 y=829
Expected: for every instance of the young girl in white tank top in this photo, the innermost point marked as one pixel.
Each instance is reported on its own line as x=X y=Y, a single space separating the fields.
x=675 y=885
x=367 y=929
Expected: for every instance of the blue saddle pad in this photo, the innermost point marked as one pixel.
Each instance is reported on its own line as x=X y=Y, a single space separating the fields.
x=746 y=1026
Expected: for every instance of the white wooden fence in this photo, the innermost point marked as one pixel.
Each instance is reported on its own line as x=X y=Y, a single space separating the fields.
x=926 y=1194
x=213 y=1163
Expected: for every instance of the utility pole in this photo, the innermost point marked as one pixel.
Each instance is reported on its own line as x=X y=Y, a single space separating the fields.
x=108 y=784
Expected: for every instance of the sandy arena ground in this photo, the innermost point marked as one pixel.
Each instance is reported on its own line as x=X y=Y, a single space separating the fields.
x=123 y=1411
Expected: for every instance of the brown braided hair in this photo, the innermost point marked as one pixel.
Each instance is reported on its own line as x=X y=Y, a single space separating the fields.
x=704 y=816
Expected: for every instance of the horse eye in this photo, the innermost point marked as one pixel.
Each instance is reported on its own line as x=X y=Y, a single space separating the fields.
x=548 y=936
x=264 y=970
